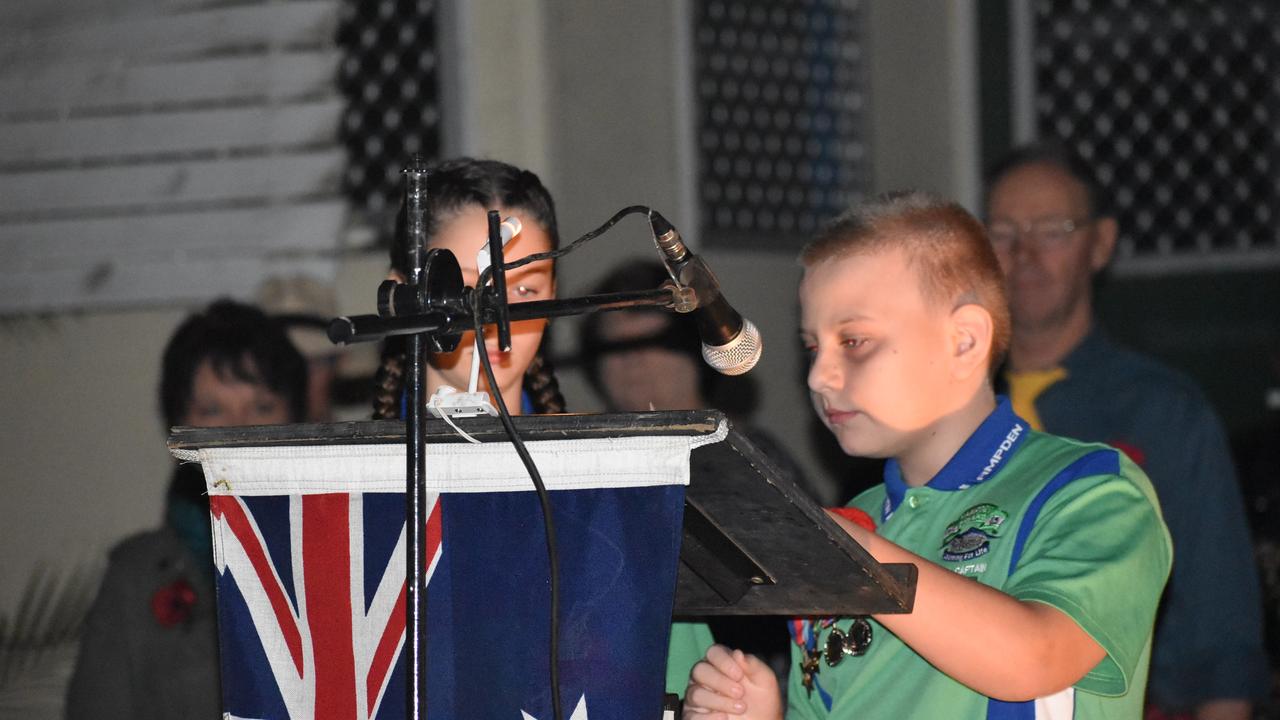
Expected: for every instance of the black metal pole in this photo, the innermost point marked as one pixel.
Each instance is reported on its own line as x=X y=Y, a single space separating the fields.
x=415 y=457
x=364 y=328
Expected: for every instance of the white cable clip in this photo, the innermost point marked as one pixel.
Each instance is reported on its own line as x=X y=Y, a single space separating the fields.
x=447 y=403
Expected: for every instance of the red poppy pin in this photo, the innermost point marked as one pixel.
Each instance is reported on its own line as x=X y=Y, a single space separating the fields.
x=172 y=603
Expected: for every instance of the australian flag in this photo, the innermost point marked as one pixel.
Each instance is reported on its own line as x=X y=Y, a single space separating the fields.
x=311 y=579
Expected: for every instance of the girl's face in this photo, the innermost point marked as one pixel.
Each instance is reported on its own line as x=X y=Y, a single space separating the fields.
x=464 y=235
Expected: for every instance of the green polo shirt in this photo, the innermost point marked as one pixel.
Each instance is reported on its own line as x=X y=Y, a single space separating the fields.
x=1044 y=519
x=688 y=644
x=1209 y=639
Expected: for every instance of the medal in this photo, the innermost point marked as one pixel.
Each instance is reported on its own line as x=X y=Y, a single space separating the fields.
x=808 y=669
x=839 y=644
x=853 y=643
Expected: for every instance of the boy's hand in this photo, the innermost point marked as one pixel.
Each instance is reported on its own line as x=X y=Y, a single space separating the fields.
x=731 y=684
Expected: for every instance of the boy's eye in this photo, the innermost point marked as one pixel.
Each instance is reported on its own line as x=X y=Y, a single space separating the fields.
x=853 y=343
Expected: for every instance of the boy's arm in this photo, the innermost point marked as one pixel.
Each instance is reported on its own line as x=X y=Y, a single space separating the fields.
x=998 y=645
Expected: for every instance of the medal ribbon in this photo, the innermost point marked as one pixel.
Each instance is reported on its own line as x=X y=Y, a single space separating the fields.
x=803 y=630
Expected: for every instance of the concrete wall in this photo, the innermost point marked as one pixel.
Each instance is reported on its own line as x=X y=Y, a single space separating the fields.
x=588 y=93
x=82 y=444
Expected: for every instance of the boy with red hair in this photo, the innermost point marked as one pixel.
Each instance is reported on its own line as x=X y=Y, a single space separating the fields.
x=1041 y=560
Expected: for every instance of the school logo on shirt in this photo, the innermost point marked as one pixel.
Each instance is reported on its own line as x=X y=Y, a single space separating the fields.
x=970 y=535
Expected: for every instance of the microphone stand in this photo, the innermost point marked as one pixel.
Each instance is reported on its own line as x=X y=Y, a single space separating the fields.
x=434 y=309
x=415 y=464
x=452 y=320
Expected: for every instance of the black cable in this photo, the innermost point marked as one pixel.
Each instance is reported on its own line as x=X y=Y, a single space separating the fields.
x=544 y=499
x=554 y=254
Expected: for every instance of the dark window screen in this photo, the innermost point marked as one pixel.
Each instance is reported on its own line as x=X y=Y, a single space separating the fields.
x=781 y=116
x=1175 y=106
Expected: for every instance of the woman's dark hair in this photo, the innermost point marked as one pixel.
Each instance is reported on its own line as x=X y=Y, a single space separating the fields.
x=237 y=340
x=454 y=186
x=675 y=334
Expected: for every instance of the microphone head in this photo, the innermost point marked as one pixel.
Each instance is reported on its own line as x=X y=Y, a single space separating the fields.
x=739 y=354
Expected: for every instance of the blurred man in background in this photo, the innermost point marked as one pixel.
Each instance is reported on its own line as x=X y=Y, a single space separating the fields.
x=1065 y=376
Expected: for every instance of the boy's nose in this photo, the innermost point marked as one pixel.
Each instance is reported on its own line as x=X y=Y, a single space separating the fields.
x=823 y=374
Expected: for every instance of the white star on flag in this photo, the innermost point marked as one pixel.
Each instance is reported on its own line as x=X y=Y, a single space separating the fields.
x=579 y=712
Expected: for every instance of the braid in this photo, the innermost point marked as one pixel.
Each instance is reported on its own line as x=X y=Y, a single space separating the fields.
x=541 y=384
x=389 y=381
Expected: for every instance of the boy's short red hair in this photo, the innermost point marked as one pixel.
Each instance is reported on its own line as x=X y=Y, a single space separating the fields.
x=946 y=245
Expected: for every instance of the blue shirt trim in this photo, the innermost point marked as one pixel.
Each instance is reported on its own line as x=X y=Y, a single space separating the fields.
x=1098 y=462
x=1004 y=710
x=979 y=459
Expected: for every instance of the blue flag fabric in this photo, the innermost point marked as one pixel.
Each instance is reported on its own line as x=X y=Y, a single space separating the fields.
x=311 y=583
x=489 y=603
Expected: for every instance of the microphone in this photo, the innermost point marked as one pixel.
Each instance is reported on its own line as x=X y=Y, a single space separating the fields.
x=731 y=344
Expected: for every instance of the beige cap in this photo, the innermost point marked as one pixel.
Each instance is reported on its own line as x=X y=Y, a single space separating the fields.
x=302 y=297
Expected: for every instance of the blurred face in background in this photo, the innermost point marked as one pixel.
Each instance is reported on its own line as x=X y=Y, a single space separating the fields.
x=1048 y=243
x=464 y=235
x=220 y=399
x=639 y=370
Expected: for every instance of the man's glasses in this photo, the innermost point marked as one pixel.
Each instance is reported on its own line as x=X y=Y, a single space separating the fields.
x=1047 y=233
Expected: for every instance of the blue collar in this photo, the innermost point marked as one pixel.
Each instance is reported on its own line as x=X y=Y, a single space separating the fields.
x=978 y=460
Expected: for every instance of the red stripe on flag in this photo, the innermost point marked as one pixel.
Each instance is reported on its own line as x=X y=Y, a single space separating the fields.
x=380 y=668
x=230 y=510
x=434 y=530
x=385 y=654
x=326 y=557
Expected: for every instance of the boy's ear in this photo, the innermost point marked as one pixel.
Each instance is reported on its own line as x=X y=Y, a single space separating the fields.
x=971 y=335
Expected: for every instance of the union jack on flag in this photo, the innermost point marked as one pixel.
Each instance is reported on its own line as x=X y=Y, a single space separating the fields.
x=306 y=629
x=309 y=547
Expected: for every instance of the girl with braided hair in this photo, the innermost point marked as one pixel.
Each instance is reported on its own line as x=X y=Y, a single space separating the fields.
x=459 y=195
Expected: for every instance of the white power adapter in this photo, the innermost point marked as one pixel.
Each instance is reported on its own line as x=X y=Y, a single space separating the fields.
x=447 y=402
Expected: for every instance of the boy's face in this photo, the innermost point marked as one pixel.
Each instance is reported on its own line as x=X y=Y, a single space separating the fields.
x=878 y=352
